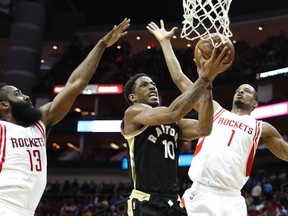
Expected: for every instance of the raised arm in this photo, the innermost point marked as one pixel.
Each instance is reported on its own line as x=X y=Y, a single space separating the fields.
x=164 y=39
x=56 y=110
x=274 y=141
x=193 y=129
x=179 y=78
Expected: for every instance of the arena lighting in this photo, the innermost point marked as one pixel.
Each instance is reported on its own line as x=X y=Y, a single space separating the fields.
x=184 y=161
x=55 y=145
x=75 y=148
x=98 y=126
x=95 y=89
x=271 y=73
x=114 y=146
x=272 y=110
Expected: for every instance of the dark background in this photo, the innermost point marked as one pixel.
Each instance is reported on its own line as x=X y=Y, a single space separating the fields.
x=67 y=14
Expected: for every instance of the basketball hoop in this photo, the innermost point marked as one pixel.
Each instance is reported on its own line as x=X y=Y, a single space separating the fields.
x=206 y=17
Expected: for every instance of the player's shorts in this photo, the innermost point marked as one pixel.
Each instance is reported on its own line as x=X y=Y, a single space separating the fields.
x=201 y=200
x=140 y=203
x=7 y=209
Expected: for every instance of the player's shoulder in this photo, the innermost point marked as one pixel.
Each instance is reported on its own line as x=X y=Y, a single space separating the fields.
x=267 y=127
x=45 y=110
x=138 y=107
x=216 y=106
x=268 y=130
x=134 y=110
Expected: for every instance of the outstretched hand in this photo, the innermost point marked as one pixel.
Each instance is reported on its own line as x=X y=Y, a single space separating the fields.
x=117 y=32
x=161 y=33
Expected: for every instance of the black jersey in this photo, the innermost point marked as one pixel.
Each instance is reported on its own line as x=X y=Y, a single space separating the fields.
x=153 y=154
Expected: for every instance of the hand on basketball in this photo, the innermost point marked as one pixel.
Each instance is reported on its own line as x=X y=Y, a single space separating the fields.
x=161 y=33
x=206 y=46
x=214 y=65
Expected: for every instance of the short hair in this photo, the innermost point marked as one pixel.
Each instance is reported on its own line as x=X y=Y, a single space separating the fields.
x=3 y=93
x=2 y=85
x=255 y=95
x=129 y=86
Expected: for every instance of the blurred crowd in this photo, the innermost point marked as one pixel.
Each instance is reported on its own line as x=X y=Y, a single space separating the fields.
x=266 y=194
x=71 y=198
x=118 y=65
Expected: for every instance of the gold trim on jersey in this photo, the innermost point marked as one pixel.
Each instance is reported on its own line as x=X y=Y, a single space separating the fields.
x=131 y=142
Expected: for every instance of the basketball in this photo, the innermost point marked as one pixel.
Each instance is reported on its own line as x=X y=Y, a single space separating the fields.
x=206 y=47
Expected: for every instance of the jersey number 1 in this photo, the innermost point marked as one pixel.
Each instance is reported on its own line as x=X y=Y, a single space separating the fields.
x=231 y=137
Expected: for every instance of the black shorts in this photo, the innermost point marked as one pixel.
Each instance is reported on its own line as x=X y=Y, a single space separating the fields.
x=142 y=204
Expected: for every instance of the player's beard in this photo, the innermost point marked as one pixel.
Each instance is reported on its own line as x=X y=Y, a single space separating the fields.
x=25 y=112
x=239 y=104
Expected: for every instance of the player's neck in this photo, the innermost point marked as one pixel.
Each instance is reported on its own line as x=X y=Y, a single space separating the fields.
x=240 y=111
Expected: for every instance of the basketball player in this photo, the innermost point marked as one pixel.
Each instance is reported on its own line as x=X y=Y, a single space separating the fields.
x=23 y=160
x=153 y=134
x=223 y=160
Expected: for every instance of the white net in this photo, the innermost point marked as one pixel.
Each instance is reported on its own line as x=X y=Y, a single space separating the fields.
x=206 y=17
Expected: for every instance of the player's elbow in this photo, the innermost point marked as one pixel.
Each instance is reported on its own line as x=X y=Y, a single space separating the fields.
x=205 y=130
x=204 y=133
